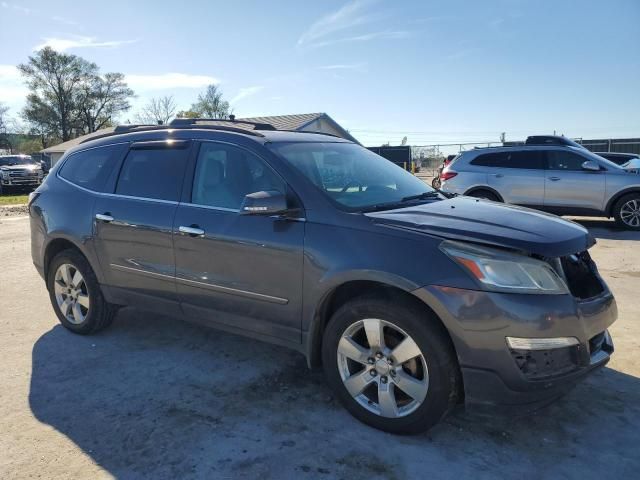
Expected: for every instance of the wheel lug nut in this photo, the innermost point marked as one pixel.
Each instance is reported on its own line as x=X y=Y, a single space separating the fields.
x=372 y=373
x=378 y=355
x=383 y=379
x=370 y=360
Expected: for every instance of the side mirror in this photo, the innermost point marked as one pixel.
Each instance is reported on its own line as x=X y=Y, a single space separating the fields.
x=264 y=203
x=591 y=166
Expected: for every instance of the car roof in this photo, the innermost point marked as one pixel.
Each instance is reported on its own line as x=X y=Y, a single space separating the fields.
x=508 y=148
x=137 y=133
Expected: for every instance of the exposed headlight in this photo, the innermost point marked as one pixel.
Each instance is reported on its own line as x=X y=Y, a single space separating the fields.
x=502 y=271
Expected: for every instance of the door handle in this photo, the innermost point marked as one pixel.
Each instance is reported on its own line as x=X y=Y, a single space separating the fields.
x=105 y=217
x=498 y=175
x=554 y=179
x=194 y=231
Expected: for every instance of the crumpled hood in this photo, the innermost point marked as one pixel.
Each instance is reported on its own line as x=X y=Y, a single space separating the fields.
x=492 y=223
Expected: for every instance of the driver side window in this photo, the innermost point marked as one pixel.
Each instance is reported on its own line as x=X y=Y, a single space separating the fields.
x=567 y=161
x=226 y=174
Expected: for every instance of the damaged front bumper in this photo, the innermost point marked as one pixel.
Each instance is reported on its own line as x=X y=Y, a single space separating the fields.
x=522 y=379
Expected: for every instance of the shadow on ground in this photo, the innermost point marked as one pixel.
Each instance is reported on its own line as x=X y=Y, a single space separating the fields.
x=157 y=398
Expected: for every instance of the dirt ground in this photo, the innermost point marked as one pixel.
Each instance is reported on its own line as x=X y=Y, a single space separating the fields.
x=157 y=398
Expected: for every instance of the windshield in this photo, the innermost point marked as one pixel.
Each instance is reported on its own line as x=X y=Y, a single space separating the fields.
x=15 y=160
x=353 y=176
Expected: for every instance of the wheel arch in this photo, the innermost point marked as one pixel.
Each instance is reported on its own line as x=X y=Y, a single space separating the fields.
x=488 y=189
x=613 y=200
x=349 y=290
x=57 y=245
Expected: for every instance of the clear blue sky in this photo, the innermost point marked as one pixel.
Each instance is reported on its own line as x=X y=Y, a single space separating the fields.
x=435 y=71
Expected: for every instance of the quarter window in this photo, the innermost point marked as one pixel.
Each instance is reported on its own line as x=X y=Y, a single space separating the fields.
x=153 y=173
x=226 y=174
x=559 y=160
x=91 y=168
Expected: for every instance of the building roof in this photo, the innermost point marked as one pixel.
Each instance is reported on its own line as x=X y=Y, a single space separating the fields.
x=299 y=121
x=64 y=146
x=287 y=122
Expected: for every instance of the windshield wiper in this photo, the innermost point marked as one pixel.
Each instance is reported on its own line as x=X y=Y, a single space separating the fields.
x=421 y=196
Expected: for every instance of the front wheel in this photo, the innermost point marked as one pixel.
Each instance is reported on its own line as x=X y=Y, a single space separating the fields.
x=390 y=364
x=75 y=294
x=627 y=211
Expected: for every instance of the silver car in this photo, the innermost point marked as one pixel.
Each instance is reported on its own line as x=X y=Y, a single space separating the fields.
x=564 y=180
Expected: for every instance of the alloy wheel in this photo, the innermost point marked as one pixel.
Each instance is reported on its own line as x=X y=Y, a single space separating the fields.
x=382 y=368
x=71 y=293
x=630 y=213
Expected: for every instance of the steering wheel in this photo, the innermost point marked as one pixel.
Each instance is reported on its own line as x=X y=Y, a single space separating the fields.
x=351 y=183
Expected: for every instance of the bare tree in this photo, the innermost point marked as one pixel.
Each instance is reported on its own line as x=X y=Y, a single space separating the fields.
x=157 y=111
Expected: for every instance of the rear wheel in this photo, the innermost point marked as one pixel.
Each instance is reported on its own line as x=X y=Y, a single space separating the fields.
x=391 y=365
x=485 y=194
x=75 y=294
x=627 y=211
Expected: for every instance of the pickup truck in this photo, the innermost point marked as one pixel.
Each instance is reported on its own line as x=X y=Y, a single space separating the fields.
x=19 y=172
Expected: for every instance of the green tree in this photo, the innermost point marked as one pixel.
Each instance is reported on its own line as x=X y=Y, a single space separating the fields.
x=68 y=96
x=101 y=99
x=210 y=104
x=5 y=143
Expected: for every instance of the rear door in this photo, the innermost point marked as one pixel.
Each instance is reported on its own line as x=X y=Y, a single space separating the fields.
x=133 y=225
x=517 y=175
x=568 y=186
x=242 y=271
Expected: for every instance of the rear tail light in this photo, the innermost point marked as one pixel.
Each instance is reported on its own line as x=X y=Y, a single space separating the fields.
x=448 y=175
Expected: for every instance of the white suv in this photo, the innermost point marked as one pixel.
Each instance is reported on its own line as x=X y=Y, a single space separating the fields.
x=561 y=179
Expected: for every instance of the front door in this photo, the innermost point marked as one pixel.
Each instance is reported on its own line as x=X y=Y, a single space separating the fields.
x=518 y=176
x=569 y=187
x=241 y=271
x=134 y=238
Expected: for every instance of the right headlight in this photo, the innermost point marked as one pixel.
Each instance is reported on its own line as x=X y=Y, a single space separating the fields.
x=503 y=271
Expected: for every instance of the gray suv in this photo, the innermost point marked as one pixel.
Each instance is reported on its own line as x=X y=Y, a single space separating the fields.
x=412 y=302
x=561 y=179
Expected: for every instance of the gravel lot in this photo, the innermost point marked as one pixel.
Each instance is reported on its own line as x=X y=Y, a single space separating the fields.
x=154 y=397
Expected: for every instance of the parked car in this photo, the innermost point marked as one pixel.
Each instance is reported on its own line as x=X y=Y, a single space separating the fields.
x=411 y=302
x=619 y=158
x=560 y=179
x=19 y=172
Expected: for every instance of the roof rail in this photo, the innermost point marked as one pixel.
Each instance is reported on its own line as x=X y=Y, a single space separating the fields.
x=207 y=121
x=120 y=129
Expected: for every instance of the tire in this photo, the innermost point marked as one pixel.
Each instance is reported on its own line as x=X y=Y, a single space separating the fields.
x=626 y=212
x=435 y=183
x=93 y=312
x=437 y=363
x=485 y=194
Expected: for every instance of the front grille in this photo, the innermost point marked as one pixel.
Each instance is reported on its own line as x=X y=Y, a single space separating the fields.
x=581 y=275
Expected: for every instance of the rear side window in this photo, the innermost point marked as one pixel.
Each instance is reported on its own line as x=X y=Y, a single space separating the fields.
x=531 y=160
x=153 y=173
x=91 y=168
x=559 y=160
